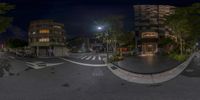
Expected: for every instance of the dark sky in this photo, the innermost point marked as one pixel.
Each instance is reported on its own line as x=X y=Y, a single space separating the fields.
x=78 y=15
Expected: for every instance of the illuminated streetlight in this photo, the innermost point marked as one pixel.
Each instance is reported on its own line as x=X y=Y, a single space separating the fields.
x=99 y=28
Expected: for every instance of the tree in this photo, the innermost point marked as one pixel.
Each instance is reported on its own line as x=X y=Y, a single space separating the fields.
x=4 y=20
x=127 y=39
x=185 y=24
x=16 y=43
x=194 y=20
x=179 y=25
x=114 y=27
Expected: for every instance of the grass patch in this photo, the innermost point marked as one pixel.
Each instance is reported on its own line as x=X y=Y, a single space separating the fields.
x=178 y=57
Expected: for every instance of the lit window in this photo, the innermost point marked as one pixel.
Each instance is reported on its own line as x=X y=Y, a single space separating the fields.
x=149 y=34
x=44 y=40
x=56 y=26
x=44 y=31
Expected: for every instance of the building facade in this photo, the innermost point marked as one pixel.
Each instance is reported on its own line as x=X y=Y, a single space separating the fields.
x=47 y=38
x=149 y=26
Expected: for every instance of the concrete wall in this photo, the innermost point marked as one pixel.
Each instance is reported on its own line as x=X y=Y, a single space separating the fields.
x=60 y=51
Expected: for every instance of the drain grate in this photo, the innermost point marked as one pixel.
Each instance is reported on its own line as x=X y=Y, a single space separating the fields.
x=113 y=67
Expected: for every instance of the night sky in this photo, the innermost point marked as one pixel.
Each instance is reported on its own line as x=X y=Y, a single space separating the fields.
x=78 y=15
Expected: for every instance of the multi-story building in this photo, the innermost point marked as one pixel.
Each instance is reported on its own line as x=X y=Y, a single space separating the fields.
x=47 y=38
x=149 y=26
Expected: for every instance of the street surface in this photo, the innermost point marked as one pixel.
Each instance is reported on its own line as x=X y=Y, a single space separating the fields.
x=71 y=81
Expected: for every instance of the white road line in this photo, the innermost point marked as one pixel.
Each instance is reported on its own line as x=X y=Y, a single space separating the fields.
x=84 y=64
x=40 y=65
x=88 y=57
x=84 y=57
x=99 y=57
x=93 y=57
x=54 y=64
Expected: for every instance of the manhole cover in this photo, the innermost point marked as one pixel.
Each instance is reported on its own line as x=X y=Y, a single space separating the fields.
x=113 y=67
x=66 y=85
x=122 y=84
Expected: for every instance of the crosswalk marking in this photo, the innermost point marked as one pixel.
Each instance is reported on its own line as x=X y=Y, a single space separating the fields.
x=99 y=58
x=88 y=57
x=83 y=57
x=93 y=57
x=86 y=64
x=79 y=57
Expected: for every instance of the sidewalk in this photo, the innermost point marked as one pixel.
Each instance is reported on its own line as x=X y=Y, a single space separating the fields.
x=155 y=78
x=148 y=64
x=193 y=69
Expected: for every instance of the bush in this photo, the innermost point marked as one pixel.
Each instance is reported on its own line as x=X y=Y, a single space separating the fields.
x=116 y=57
x=178 y=57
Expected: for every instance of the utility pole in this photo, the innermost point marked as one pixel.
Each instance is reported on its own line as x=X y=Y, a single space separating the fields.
x=107 y=45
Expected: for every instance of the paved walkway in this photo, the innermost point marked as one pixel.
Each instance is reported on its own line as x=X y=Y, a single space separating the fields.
x=150 y=78
x=147 y=64
x=193 y=69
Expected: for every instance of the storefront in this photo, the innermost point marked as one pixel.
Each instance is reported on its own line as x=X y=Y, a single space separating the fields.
x=149 y=48
x=149 y=43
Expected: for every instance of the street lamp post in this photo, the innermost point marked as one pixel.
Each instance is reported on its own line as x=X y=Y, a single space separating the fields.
x=107 y=53
x=107 y=45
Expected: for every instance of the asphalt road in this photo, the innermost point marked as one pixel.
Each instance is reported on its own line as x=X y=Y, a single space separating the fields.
x=71 y=81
